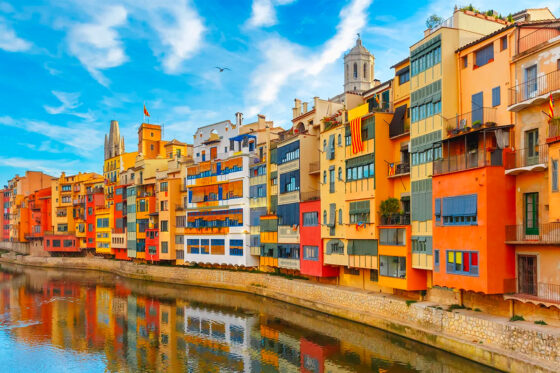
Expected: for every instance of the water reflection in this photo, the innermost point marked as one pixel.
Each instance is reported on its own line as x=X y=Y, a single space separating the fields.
x=65 y=320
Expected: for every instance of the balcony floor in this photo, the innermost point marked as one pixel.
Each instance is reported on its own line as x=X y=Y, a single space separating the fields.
x=534 y=299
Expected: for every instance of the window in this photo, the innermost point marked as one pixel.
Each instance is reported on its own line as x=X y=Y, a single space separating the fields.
x=496 y=96
x=555 y=175
x=340 y=173
x=164 y=247
x=459 y=210
x=331 y=179
x=355 y=71
x=56 y=243
x=465 y=61
x=374 y=275
x=311 y=252
x=324 y=177
x=163 y=186
x=360 y=168
x=392 y=266
x=351 y=271
x=392 y=236
x=436 y=260
x=90 y=210
x=503 y=43
x=236 y=247
x=163 y=226
x=310 y=219
x=484 y=55
x=289 y=181
x=180 y=221
x=324 y=216
x=340 y=216
x=325 y=146
x=90 y=227
x=462 y=262
x=339 y=139
x=359 y=212
x=404 y=77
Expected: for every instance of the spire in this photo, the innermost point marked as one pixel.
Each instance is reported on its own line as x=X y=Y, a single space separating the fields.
x=114 y=143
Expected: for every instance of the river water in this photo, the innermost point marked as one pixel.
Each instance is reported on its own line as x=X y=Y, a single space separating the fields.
x=82 y=321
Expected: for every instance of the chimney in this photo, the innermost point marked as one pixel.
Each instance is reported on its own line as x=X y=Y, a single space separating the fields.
x=238 y=119
x=376 y=82
x=297 y=107
x=305 y=107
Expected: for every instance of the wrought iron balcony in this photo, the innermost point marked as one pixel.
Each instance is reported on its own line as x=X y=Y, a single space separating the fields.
x=396 y=219
x=546 y=233
x=536 y=292
x=473 y=119
x=399 y=169
x=537 y=37
x=533 y=89
x=528 y=157
x=470 y=160
x=554 y=128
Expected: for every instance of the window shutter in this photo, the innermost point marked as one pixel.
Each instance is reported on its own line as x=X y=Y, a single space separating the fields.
x=332 y=213
x=496 y=96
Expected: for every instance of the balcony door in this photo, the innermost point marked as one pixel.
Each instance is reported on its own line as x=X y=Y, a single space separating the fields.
x=532 y=142
x=476 y=108
x=531 y=82
x=527 y=274
x=531 y=214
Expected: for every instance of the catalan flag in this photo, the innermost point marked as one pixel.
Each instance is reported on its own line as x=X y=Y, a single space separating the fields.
x=146 y=111
x=391 y=169
x=551 y=107
x=356 y=133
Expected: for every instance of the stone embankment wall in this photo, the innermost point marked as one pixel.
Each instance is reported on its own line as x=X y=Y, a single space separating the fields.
x=16 y=247
x=490 y=340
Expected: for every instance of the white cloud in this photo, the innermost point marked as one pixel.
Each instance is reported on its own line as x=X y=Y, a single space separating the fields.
x=68 y=101
x=9 y=41
x=179 y=28
x=97 y=44
x=50 y=167
x=263 y=12
x=83 y=138
x=285 y=61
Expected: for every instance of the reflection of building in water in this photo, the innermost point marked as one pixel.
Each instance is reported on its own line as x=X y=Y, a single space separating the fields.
x=218 y=339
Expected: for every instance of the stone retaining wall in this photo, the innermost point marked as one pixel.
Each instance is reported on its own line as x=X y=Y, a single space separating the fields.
x=490 y=340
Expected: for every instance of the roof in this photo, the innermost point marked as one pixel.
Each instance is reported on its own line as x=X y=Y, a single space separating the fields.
x=358 y=48
x=400 y=62
x=499 y=31
x=175 y=142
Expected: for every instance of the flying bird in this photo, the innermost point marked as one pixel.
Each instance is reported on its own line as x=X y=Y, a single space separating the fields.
x=223 y=68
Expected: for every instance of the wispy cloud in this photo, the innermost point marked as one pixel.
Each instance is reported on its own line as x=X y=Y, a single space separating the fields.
x=69 y=101
x=96 y=44
x=50 y=167
x=82 y=138
x=263 y=12
x=9 y=41
x=284 y=60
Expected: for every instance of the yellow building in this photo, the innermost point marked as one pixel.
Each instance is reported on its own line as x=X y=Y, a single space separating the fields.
x=103 y=217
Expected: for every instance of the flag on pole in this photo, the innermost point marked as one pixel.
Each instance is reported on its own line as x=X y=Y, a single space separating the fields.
x=391 y=169
x=551 y=107
x=356 y=134
x=377 y=100
x=146 y=111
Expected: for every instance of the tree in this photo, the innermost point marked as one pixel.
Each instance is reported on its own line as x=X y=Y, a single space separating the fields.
x=389 y=207
x=433 y=21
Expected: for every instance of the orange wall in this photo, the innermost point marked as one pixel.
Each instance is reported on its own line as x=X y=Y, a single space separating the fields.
x=495 y=209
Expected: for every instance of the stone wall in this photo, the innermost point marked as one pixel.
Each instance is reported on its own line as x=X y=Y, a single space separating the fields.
x=16 y=247
x=490 y=340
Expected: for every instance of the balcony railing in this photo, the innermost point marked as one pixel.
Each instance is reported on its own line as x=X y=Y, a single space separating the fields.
x=400 y=169
x=540 y=233
x=470 y=160
x=179 y=208
x=472 y=119
x=314 y=167
x=539 y=291
x=396 y=219
x=527 y=157
x=537 y=37
x=533 y=88
x=311 y=196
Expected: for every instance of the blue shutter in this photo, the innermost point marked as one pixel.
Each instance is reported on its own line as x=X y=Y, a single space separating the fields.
x=496 y=96
x=190 y=196
x=470 y=204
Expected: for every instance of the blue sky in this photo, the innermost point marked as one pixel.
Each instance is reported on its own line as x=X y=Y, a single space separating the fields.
x=67 y=67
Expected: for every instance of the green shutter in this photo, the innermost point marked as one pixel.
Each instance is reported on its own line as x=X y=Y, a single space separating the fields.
x=360 y=161
x=370 y=124
x=362 y=247
x=421 y=200
x=359 y=207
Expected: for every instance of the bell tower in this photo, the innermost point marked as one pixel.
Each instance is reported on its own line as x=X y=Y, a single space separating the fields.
x=358 y=69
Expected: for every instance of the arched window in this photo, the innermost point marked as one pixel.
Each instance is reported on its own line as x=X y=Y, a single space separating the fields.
x=339 y=139
x=340 y=173
x=324 y=177
x=347 y=72
x=365 y=70
x=325 y=145
x=340 y=216
x=324 y=216
x=355 y=70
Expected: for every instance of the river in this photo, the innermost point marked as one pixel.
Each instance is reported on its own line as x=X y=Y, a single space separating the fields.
x=84 y=321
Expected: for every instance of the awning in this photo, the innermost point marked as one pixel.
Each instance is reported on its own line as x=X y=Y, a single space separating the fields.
x=362 y=247
x=396 y=127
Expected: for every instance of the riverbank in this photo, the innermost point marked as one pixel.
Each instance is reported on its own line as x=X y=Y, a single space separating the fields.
x=490 y=340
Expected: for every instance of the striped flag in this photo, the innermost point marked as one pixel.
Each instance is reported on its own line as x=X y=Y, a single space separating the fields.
x=356 y=133
x=551 y=107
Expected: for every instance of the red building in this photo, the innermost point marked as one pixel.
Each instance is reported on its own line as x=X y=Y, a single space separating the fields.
x=5 y=216
x=40 y=214
x=311 y=262
x=95 y=198
x=313 y=355
x=152 y=244
x=118 y=234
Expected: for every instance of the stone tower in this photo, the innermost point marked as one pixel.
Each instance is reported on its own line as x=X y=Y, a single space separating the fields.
x=358 y=69
x=114 y=143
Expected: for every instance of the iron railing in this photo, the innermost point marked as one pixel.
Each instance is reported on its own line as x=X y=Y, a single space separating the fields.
x=527 y=157
x=539 y=291
x=554 y=128
x=533 y=88
x=396 y=219
x=400 y=169
x=467 y=161
x=537 y=37
x=472 y=119
x=541 y=233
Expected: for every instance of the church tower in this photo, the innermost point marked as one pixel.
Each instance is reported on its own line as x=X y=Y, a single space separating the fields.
x=114 y=143
x=358 y=69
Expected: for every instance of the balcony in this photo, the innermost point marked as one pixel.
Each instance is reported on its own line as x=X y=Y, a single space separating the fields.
x=179 y=208
x=536 y=293
x=473 y=119
x=538 y=37
x=528 y=159
x=395 y=219
x=542 y=234
x=534 y=91
x=399 y=169
x=310 y=196
x=554 y=129
x=472 y=159
x=314 y=168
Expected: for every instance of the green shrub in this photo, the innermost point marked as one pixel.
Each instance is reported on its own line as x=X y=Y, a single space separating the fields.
x=516 y=318
x=540 y=322
x=455 y=307
x=409 y=302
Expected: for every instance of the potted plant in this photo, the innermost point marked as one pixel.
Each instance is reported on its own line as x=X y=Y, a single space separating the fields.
x=449 y=129
x=490 y=124
x=456 y=131
x=477 y=124
x=389 y=207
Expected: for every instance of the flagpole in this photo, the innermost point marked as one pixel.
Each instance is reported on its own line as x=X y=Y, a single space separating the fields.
x=144 y=112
